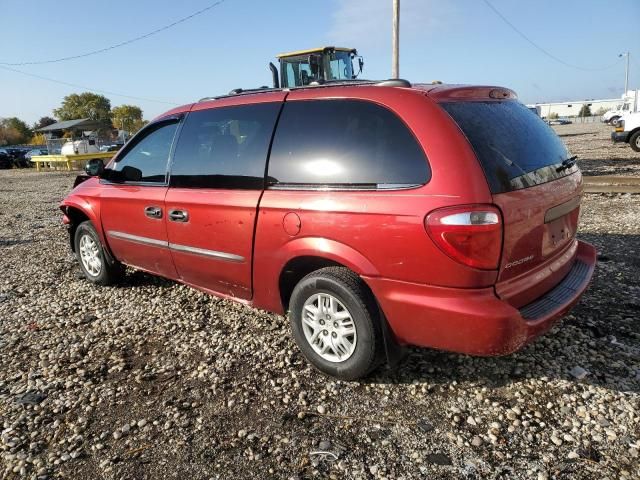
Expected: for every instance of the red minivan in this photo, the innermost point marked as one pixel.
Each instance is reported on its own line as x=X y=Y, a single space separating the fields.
x=376 y=214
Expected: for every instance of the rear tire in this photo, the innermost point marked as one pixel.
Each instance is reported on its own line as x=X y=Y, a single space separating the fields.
x=634 y=141
x=336 y=323
x=613 y=120
x=96 y=265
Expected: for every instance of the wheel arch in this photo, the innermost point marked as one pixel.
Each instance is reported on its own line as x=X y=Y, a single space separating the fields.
x=632 y=133
x=305 y=255
x=75 y=214
x=297 y=267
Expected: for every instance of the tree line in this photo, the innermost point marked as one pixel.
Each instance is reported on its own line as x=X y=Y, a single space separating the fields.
x=15 y=131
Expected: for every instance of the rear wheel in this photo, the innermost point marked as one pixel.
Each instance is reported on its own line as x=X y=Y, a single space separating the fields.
x=613 y=120
x=95 y=264
x=634 y=141
x=336 y=324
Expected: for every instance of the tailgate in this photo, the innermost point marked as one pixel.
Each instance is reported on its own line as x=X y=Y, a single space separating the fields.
x=539 y=243
x=537 y=186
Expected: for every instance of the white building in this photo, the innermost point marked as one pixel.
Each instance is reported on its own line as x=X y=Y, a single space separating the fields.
x=572 y=109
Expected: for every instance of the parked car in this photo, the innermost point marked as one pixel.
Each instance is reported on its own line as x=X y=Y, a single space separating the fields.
x=17 y=156
x=5 y=159
x=612 y=116
x=35 y=152
x=375 y=215
x=560 y=121
x=628 y=130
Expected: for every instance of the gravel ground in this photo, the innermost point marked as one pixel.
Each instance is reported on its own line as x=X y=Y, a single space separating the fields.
x=152 y=379
x=597 y=155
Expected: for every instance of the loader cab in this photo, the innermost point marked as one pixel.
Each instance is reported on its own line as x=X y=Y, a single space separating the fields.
x=320 y=65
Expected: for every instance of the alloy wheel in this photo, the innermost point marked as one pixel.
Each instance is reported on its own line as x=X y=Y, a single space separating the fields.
x=90 y=255
x=329 y=327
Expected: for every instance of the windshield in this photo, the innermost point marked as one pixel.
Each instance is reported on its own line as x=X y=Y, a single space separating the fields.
x=515 y=148
x=296 y=71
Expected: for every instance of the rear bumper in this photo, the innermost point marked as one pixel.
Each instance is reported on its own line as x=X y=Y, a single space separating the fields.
x=619 y=137
x=476 y=321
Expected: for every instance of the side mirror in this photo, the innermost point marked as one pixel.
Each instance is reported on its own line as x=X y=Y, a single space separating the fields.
x=94 y=167
x=131 y=174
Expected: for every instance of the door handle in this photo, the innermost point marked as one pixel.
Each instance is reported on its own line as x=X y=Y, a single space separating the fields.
x=178 y=216
x=153 y=212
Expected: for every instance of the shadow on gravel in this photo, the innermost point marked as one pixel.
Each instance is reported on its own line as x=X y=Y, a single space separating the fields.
x=10 y=242
x=600 y=335
x=591 y=167
x=577 y=134
x=137 y=278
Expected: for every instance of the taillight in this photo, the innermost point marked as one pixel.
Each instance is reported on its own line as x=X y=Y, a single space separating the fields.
x=470 y=234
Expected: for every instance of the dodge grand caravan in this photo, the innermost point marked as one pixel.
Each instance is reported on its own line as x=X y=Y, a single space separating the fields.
x=376 y=215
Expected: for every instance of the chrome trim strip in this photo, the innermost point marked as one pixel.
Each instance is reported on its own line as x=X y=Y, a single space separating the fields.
x=343 y=188
x=230 y=257
x=138 y=239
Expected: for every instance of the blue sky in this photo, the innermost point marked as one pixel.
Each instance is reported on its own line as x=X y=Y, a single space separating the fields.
x=457 y=41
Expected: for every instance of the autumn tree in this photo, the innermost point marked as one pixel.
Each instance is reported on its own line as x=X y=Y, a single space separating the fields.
x=127 y=117
x=8 y=136
x=13 y=131
x=85 y=105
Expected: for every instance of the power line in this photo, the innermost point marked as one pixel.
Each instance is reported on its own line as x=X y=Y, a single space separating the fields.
x=95 y=90
x=117 y=45
x=546 y=52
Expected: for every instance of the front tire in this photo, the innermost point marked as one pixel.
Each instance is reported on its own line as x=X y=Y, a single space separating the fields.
x=613 y=120
x=95 y=264
x=336 y=323
x=634 y=141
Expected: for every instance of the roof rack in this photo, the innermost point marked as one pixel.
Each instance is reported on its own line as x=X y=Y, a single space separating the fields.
x=393 y=82
x=241 y=91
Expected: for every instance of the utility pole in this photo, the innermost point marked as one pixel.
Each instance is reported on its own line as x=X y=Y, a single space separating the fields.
x=395 y=41
x=626 y=72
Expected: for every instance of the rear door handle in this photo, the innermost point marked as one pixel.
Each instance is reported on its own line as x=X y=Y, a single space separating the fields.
x=178 y=216
x=153 y=212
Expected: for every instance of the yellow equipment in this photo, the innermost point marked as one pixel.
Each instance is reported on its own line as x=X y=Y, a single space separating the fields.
x=319 y=65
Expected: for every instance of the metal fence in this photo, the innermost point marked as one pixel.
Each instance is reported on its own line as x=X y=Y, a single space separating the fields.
x=54 y=145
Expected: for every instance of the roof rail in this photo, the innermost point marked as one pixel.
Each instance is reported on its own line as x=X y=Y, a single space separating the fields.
x=394 y=82
x=241 y=91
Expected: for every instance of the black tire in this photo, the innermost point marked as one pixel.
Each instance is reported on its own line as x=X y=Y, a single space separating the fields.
x=111 y=271
x=613 y=120
x=351 y=291
x=634 y=141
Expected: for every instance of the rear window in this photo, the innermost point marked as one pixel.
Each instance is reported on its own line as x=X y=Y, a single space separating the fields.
x=344 y=144
x=514 y=146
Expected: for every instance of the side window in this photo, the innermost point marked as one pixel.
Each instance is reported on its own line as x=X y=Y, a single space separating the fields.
x=350 y=143
x=150 y=153
x=224 y=147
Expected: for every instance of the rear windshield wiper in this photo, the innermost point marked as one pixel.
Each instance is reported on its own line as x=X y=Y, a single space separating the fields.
x=568 y=163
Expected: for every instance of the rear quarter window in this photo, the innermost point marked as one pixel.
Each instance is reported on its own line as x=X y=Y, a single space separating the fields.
x=515 y=148
x=344 y=144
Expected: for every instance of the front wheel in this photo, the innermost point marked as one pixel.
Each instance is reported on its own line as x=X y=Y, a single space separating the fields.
x=336 y=324
x=613 y=120
x=634 y=141
x=96 y=266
